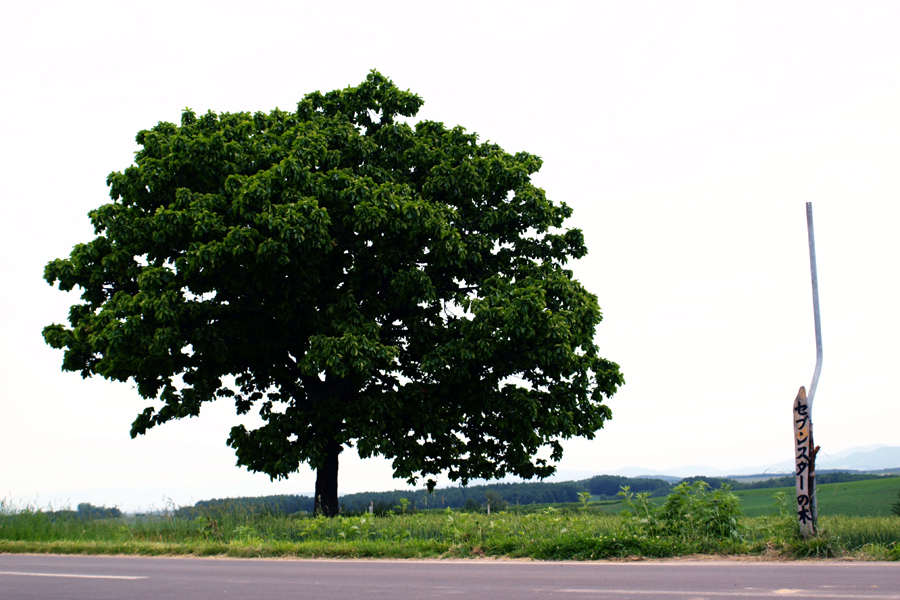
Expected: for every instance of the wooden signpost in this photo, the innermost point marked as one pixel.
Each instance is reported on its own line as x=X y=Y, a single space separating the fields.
x=804 y=449
x=805 y=457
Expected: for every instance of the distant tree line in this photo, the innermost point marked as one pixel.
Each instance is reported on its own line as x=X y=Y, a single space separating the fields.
x=85 y=511
x=281 y=504
x=786 y=481
x=607 y=487
x=469 y=497
x=458 y=497
x=476 y=497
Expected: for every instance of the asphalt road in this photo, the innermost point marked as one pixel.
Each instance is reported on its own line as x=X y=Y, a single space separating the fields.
x=97 y=578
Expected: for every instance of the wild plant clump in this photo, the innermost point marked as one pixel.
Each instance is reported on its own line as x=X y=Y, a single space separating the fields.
x=691 y=514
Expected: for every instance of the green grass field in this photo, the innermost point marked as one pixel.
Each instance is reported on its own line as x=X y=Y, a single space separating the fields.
x=872 y=498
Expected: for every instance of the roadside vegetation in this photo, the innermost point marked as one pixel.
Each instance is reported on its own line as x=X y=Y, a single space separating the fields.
x=692 y=519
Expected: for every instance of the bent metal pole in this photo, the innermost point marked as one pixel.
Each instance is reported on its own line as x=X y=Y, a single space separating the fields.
x=805 y=449
x=815 y=292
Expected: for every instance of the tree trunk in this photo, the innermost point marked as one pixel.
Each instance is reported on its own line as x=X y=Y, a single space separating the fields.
x=326 y=501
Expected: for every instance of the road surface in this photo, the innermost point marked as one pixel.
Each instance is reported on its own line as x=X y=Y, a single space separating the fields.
x=97 y=578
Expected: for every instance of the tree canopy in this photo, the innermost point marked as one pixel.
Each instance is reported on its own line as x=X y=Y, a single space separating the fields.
x=356 y=279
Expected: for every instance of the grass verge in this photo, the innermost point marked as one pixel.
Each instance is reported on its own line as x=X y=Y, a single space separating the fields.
x=542 y=537
x=692 y=521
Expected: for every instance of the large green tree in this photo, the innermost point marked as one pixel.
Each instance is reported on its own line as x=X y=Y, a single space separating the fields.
x=355 y=279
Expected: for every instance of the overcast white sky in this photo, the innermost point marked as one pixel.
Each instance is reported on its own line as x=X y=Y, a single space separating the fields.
x=687 y=136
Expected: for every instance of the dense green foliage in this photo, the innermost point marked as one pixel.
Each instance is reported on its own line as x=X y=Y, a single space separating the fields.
x=690 y=513
x=358 y=280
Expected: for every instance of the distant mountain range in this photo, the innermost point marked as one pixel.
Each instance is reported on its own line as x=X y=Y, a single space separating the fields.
x=885 y=457
x=867 y=458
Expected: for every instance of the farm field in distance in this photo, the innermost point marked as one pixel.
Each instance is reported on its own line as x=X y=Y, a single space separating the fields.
x=872 y=498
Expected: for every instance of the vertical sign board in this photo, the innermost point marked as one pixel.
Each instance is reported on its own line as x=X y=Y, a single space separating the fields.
x=805 y=457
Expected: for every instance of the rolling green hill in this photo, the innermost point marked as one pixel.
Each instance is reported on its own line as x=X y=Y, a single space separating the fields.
x=872 y=498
